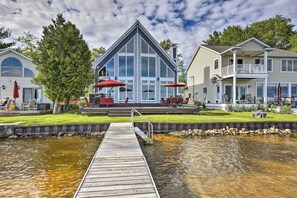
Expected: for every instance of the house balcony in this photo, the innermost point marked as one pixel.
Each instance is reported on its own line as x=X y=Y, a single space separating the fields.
x=244 y=70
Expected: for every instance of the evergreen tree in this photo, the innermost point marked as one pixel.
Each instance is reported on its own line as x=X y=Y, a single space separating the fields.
x=97 y=52
x=63 y=62
x=4 y=34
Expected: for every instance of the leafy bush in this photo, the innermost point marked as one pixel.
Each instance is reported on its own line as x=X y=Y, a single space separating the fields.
x=260 y=107
x=286 y=109
x=229 y=107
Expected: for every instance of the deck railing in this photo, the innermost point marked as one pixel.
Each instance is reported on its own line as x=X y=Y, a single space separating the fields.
x=150 y=132
x=244 y=69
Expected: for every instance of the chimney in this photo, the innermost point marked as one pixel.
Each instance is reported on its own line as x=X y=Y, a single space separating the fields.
x=173 y=53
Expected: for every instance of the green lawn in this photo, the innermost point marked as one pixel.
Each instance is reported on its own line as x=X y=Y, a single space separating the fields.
x=203 y=116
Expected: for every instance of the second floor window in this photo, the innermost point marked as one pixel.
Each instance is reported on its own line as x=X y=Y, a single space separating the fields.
x=260 y=61
x=289 y=65
x=126 y=65
x=216 y=64
x=11 y=67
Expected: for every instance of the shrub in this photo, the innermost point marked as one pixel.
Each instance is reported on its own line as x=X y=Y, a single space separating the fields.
x=229 y=107
x=286 y=109
x=260 y=107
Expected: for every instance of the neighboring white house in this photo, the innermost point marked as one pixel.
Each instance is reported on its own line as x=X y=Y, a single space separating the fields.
x=214 y=77
x=138 y=60
x=15 y=66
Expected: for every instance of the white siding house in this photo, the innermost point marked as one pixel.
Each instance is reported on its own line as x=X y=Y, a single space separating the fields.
x=214 y=77
x=15 y=66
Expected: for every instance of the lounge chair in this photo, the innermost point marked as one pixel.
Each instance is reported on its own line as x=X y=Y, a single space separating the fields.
x=248 y=98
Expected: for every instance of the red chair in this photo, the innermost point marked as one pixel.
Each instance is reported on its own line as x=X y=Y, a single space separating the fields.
x=185 y=102
x=124 y=104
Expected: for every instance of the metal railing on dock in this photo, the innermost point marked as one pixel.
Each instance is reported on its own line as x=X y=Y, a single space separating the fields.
x=150 y=131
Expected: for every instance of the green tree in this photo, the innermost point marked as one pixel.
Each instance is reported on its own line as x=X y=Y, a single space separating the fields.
x=166 y=45
x=96 y=52
x=293 y=43
x=214 y=38
x=63 y=62
x=28 y=43
x=4 y=34
x=276 y=32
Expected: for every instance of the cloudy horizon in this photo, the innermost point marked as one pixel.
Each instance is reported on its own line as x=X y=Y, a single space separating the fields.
x=102 y=22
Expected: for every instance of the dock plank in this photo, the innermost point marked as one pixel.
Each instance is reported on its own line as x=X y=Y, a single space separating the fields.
x=119 y=168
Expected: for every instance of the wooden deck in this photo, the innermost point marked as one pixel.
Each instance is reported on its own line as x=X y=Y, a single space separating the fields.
x=119 y=168
x=126 y=111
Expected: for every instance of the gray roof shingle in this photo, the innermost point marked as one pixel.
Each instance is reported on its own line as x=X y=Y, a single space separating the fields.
x=218 y=48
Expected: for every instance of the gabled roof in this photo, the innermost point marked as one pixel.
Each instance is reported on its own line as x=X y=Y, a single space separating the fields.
x=218 y=48
x=137 y=27
x=253 y=39
x=4 y=51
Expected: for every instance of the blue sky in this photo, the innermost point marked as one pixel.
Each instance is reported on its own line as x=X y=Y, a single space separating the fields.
x=186 y=22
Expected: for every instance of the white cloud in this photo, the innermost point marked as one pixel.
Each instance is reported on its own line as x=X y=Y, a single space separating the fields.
x=103 y=21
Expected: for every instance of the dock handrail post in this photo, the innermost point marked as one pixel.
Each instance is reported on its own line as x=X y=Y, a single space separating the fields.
x=149 y=124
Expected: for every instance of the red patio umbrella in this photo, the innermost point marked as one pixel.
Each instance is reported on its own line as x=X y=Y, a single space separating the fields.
x=175 y=85
x=15 y=90
x=109 y=83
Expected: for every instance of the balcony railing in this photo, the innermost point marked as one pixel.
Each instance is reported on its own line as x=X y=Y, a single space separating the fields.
x=244 y=69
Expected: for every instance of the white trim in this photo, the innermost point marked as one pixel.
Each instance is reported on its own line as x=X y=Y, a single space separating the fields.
x=254 y=39
x=13 y=51
x=267 y=62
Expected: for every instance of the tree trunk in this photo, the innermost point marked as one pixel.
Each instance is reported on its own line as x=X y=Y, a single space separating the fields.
x=67 y=103
x=55 y=109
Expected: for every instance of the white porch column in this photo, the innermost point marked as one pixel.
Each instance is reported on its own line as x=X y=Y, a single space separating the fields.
x=265 y=91
x=265 y=61
x=234 y=76
x=234 y=62
x=220 y=91
x=234 y=89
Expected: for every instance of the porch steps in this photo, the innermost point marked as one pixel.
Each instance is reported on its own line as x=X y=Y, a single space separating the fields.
x=143 y=136
x=119 y=112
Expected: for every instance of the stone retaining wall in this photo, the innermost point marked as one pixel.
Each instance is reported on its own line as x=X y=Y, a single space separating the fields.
x=6 y=131
x=48 y=130
x=170 y=127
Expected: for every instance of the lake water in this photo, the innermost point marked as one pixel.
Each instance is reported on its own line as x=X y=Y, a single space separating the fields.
x=49 y=167
x=230 y=166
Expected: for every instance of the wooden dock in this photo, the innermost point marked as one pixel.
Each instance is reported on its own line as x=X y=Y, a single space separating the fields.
x=119 y=168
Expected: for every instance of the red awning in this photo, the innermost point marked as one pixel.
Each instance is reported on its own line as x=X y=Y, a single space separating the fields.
x=175 y=85
x=109 y=83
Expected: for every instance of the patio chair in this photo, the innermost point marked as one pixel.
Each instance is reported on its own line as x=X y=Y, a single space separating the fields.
x=179 y=101
x=226 y=98
x=186 y=101
x=163 y=102
x=125 y=103
x=6 y=107
x=30 y=106
x=248 y=98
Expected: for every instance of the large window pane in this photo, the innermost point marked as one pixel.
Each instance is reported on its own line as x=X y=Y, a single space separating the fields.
x=170 y=73
x=152 y=66
x=163 y=68
x=110 y=68
x=144 y=66
x=295 y=65
x=284 y=90
x=151 y=92
x=144 y=92
x=144 y=47
x=130 y=66
x=130 y=92
x=259 y=90
x=272 y=91
x=269 y=65
x=294 y=90
x=122 y=66
x=290 y=65
x=130 y=46
x=284 y=65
